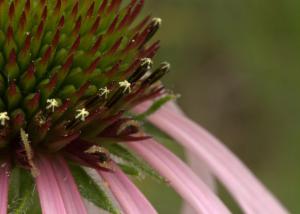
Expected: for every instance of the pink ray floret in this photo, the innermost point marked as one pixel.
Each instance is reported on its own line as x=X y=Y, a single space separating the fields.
x=56 y=188
x=251 y=195
x=131 y=200
x=4 y=177
x=180 y=176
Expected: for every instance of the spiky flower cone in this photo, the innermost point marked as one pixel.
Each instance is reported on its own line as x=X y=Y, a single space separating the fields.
x=75 y=79
x=70 y=69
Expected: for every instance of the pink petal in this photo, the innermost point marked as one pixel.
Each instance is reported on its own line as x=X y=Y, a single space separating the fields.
x=56 y=187
x=131 y=200
x=202 y=171
x=252 y=196
x=73 y=201
x=180 y=176
x=197 y=165
x=47 y=186
x=4 y=176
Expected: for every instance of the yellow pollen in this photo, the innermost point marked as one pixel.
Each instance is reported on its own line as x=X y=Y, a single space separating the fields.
x=52 y=104
x=157 y=21
x=148 y=62
x=95 y=149
x=3 y=118
x=126 y=85
x=82 y=114
x=104 y=91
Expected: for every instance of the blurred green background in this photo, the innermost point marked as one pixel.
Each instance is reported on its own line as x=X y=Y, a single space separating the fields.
x=236 y=64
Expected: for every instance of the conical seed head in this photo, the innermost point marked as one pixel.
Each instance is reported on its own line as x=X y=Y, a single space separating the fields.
x=72 y=64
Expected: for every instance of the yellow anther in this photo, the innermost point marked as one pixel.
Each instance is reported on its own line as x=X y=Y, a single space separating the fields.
x=126 y=85
x=52 y=104
x=104 y=92
x=3 y=118
x=82 y=114
x=157 y=21
x=95 y=149
x=147 y=62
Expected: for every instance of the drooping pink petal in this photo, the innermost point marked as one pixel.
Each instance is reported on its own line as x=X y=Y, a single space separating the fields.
x=4 y=176
x=201 y=169
x=72 y=199
x=180 y=176
x=198 y=166
x=57 y=190
x=131 y=200
x=48 y=189
x=251 y=195
x=195 y=162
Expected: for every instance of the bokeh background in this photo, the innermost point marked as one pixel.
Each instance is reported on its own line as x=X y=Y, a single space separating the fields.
x=236 y=64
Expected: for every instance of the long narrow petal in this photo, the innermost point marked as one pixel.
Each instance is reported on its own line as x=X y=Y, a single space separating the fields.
x=131 y=200
x=195 y=162
x=49 y=191
x=4 y=176
x=72 y=199
x=203 y=171
x=252 y=196
x=180 y=176
x=57 y=190
x=197 y=165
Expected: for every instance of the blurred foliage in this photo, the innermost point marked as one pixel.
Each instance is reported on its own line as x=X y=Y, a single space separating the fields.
x=236 y=64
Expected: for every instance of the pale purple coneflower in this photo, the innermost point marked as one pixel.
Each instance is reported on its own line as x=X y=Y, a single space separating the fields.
x=76 y=85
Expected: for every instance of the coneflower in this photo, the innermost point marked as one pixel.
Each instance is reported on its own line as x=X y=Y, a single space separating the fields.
x=76 y=83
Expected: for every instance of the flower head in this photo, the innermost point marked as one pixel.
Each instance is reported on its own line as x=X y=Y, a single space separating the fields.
x=74 y=74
